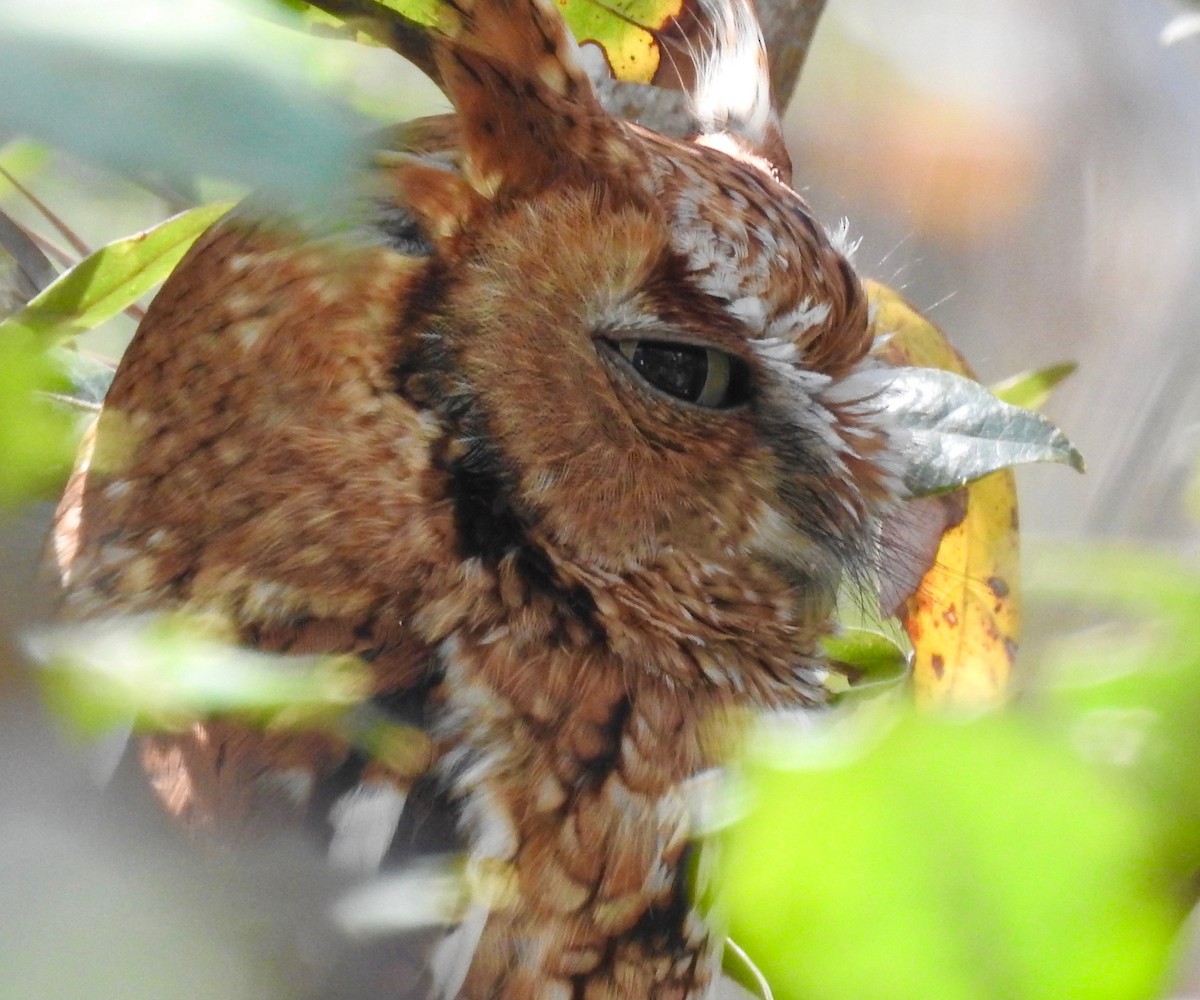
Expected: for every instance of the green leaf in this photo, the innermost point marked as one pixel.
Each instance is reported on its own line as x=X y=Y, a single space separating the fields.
x=37 y=439
x=871 y=660
x=982 y=861
x=1031 y=389
x=188 y=87
x=424 y=12
x=960 y=432
x=1128 y=690
x=109 y=280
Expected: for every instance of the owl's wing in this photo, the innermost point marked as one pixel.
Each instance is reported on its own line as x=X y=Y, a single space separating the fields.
x=211 y=490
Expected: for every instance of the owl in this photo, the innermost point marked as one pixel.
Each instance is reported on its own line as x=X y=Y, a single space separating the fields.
x=573 y=441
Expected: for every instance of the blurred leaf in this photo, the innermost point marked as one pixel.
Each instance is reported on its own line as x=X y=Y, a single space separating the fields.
x=1179 y=28
x=957 y=862
x=167 y=672
x=625 y=30
x=112 y=278
x=22 y=159
x=186 y=86
x=424 y=12
x=1137 y=578
x=37 y=439
x=1031 y=389
x=1129 y=694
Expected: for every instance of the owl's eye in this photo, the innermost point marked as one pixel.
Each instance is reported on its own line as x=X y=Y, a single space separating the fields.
x=703 y=376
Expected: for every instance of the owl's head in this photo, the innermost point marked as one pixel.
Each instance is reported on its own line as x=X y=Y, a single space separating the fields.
x=645 y=347
x=622 y=372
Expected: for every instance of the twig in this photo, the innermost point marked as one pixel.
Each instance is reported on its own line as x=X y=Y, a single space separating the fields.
x=51 y=249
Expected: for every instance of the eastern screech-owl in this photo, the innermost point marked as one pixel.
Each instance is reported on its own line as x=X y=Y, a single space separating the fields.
x=572 y=443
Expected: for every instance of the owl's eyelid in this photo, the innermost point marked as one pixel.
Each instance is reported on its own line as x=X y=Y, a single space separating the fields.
x=656 y=334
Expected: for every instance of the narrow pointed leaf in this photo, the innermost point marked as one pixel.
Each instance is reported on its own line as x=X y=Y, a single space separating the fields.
x=1032 y=389
x=24 y=269
x=114 y=277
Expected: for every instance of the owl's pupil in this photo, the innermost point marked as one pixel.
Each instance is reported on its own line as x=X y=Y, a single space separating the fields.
x=675 y=369
x=700 y=375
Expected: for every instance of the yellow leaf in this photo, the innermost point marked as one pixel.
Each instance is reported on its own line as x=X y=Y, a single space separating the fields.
x=626 y=30
x=964 y=616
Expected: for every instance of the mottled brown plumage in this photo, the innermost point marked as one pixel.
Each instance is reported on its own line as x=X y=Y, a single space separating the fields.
x=574 y=443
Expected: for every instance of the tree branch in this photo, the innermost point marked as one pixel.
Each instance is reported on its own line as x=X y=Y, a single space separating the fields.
x=388 y=27
x=788 y=27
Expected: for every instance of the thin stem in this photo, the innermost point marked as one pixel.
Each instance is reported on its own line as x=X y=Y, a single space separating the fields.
x=64 y=230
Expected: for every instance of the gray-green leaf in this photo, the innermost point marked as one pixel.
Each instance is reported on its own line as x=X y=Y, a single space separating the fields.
x=959 y=431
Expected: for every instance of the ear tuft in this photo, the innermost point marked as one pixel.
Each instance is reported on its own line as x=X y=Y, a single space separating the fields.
x=528 y=113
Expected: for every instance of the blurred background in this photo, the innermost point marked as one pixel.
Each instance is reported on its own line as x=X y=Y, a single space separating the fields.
x=1028 y=173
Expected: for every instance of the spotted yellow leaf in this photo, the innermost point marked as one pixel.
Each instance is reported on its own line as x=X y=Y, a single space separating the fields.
x=964 y=615
x=625 y=30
